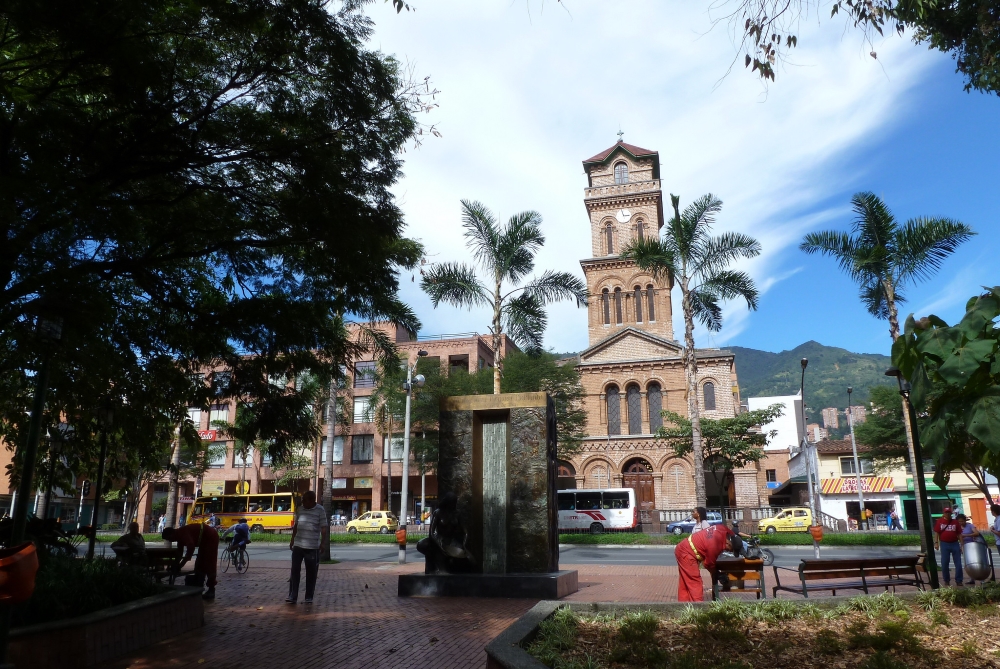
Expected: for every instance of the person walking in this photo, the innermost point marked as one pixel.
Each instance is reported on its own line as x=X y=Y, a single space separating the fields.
x=948 y=531
x=894 y=523
x=307 y=536
x=700 y=516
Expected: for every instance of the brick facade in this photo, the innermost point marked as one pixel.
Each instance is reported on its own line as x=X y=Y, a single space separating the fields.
x=638 y=356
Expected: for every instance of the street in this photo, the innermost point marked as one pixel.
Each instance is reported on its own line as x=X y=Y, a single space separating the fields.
x=784 y=556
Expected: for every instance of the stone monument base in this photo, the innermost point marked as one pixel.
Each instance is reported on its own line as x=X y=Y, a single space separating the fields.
x=552 y=585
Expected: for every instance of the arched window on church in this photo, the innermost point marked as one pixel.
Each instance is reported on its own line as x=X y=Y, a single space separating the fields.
x=633 y=398
x=614 y=410
x=621 y=173
x=606 y=306
x=654 y=398
x=708 y=391
x=650 y=314
x=640 y=231
x=609 y=239
x=618 y=306
x=637 y=294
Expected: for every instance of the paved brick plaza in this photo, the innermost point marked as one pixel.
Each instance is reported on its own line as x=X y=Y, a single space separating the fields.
x=352 y=626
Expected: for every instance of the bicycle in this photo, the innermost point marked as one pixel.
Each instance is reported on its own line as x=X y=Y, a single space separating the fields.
x=238 y=558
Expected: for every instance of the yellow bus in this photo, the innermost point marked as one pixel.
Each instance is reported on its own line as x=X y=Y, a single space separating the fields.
x=274 y=511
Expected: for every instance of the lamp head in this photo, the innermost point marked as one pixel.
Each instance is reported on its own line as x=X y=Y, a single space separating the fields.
x=418 y=380
x=892 y=371
x=805 y=362
x=422 y=353
x=849 y=391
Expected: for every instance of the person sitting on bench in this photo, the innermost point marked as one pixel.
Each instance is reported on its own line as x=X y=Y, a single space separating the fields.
x=131 y=547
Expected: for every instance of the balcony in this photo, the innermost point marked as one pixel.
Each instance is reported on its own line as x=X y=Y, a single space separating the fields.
x=618 y=190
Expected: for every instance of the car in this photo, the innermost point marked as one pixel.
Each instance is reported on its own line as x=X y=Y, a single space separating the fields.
x=682 y=526
x=382 y=522
x=792 y=519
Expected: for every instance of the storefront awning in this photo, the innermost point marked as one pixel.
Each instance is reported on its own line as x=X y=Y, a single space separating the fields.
x=849 y=485
x=795 y=480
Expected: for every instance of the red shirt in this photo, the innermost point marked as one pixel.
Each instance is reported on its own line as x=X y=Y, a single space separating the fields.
x=947 y=529
x=709 y=543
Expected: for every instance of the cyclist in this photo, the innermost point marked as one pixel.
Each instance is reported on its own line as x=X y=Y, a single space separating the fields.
x=241 y=535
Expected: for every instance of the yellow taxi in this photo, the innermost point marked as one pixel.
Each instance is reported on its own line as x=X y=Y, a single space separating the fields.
x=382 y=522
x=794 y=519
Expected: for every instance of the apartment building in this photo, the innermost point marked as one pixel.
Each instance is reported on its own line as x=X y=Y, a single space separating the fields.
x=831 y=416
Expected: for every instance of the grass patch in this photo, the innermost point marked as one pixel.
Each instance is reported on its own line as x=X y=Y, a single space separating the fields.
x=784 y=539
x=556 y=635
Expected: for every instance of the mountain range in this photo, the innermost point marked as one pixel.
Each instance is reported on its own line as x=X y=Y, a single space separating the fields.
x=829 y=372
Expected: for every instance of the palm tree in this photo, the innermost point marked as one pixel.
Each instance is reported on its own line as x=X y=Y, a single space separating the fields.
x=699 y=263
x=882 y=255
x=507 y=254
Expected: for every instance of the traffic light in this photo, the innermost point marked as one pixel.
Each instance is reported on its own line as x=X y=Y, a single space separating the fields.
x=86 y=488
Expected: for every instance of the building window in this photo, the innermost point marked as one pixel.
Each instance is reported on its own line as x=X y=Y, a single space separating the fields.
x=194 y=415
x=708 y=391
x=219 y=413
x=609 y=239
x=650 y=314
x=397 y=449
x=217 y=454
x=238 y=460
x=618 y=306
x=338 y=450
x=361 y=412
x=847 y=466
x=606 y=306
x=640 y=231
x=621 y=173
x=364 y=374
x=771 y=475
x=362 y=446
x=614 y=411
x=637 y=294
x=654 y=398
x=633 y=398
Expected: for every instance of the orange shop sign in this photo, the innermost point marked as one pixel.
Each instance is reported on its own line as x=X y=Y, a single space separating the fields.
x=207 y=435
x=849 y=484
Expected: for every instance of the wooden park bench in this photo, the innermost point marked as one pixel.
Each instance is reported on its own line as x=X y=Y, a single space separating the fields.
x=735 y=574
x=162 y=562
x=852 y=574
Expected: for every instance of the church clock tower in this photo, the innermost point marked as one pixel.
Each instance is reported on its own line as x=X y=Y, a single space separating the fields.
x=624 y=203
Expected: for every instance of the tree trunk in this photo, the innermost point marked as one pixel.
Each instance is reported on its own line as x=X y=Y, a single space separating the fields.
x=691 y=370
x=496 y=339
x=175 y=463
x=331 y=433
x=890 y=301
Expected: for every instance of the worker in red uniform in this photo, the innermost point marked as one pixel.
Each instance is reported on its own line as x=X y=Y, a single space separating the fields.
x=206 y=540
x=701 y=550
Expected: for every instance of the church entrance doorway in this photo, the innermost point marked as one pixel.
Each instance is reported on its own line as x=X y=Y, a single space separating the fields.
x=719 y=488
x=638 y=475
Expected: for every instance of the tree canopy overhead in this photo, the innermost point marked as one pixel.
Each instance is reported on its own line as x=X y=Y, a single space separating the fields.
x=195 y=183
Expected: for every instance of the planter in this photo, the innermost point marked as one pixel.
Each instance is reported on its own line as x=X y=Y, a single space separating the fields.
x=94 y=639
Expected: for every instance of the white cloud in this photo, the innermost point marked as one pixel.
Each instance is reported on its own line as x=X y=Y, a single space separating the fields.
x=525 y=98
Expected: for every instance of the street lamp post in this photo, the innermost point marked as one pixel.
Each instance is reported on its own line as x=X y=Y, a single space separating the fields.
x=919 y=484
x=404 y=490
x=810 y=478
x=857 y=468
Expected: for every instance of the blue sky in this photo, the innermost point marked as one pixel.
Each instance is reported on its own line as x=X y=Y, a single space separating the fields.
x=528 y=91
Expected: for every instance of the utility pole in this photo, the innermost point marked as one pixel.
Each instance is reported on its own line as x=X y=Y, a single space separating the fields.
x=857 y=467
x=810 y=473
x=404 y=489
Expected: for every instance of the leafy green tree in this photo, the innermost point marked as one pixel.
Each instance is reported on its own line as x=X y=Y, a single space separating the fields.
x=967 y=29
x=882 y=256
x=699 y=263
x=883 y=432
x=507 y=255
x=191 y=185
x=727 y=443
x=955 y=377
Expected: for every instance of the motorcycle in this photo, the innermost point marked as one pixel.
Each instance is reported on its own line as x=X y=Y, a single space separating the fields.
x=753 y=551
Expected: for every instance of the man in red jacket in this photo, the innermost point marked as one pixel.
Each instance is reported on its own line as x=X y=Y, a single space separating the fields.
x=697 y=550
x=949 y=531
x=206 y=540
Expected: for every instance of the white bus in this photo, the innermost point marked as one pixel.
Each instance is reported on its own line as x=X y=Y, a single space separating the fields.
x=598 y=510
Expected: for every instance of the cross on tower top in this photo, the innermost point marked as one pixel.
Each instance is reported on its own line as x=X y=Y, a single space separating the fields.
x=620 y=133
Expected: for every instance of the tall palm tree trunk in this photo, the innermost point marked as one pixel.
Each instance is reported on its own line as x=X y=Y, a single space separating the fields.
x=890 y=302
x=691 y=371
x=496 y=338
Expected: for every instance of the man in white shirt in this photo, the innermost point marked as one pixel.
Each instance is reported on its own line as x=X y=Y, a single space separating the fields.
x=307 y=535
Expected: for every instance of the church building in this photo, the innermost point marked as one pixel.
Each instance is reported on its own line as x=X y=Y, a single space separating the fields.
x=632 y=369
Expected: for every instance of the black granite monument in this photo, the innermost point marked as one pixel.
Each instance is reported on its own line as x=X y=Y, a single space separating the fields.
x=495 y=531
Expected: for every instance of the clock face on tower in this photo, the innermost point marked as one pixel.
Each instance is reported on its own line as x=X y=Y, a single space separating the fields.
x=623 y=215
